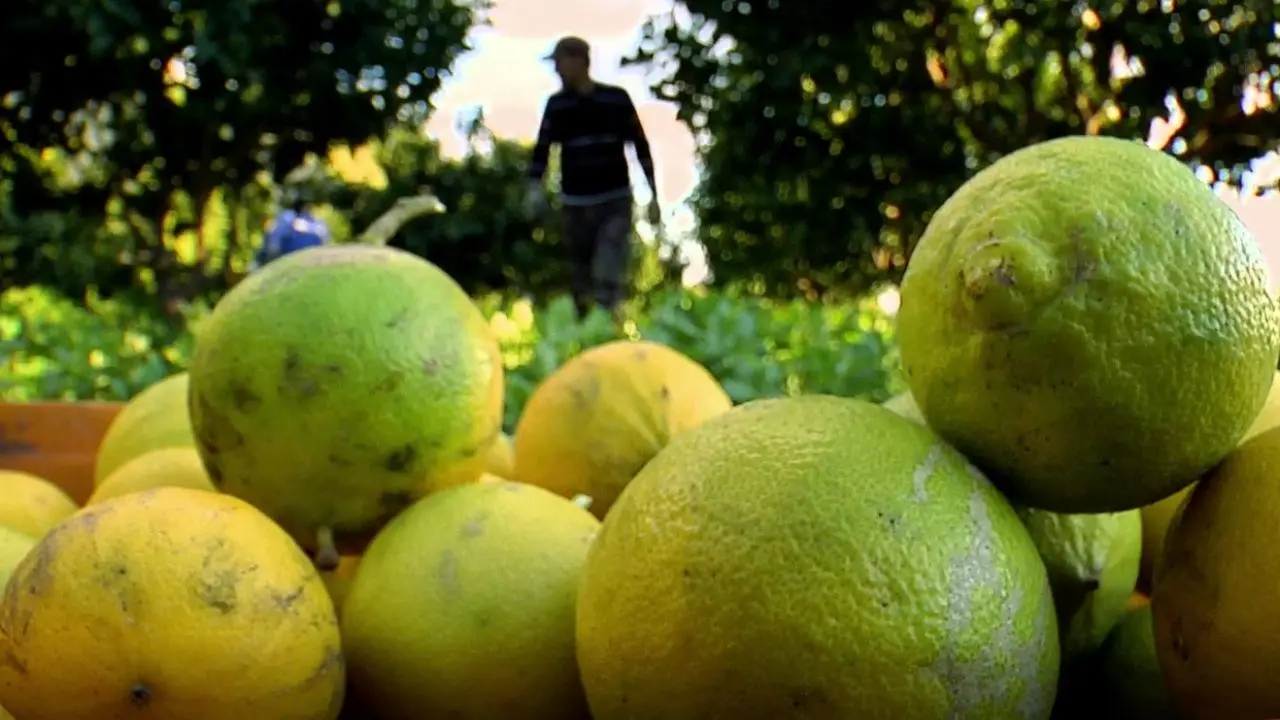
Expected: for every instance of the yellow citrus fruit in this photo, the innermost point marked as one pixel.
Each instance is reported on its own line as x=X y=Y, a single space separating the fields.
x=169 y=603
x=501 y=460
x=1041 y=308
x=335 y=386
x=155 y=418
x=904 y=405
x=463 y=607
x=814 y=557
x=593 y=423
x=4 y=714
x=1093 y=566
x=31 y=504
x=338 y=580
x=1215 y=592
x=14 y=546
x=167 y=467
x=1132 y=685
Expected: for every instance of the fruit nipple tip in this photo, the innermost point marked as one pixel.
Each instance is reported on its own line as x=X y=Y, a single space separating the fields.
x=1005 y=284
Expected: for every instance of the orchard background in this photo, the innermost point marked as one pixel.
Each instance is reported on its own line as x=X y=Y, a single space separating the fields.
x=144 y=147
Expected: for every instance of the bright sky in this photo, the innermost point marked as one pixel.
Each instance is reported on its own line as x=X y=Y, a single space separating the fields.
x=505 y=76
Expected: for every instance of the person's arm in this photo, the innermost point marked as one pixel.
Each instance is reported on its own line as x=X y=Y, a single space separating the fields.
x=542 y=147
x=637 y=138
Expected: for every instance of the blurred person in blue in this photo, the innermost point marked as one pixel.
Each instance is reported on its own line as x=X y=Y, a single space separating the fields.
x=294 y=229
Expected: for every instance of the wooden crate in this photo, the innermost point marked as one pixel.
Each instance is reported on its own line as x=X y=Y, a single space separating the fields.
x=56 y=440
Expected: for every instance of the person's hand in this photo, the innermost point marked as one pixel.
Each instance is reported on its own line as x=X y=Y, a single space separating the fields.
x=655 y=213
x=535 y=200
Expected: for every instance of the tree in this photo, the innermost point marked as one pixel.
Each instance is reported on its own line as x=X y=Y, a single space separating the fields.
x=156 y=107
x=829 y=131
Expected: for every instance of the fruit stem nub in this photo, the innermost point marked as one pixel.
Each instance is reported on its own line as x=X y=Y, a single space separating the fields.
x=140 y=694
x=582 y=501
x=326 y=557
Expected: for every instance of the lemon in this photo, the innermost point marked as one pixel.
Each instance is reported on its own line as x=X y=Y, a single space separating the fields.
x=155 y=418
x=1215 y=590
x=1132 y=685
x=337 y=385
x=166 y=467
x=1093 y=566
x=592 y=424
x=31 y=504
x=14 y=546
x=501 y=460
x=1044 y=308
x=338 y=580
x=814 y=557
x=463 y=607
x=169 y=603
x=1155 y=525
x=1156 y=516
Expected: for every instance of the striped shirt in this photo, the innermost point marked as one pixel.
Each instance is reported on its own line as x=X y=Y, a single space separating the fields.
x=592 y=130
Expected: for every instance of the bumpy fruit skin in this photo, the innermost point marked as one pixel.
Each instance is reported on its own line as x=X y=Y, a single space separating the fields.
x=814 y=557
x=169 y=603
x=1215 y=589
x=339 y=384
x=1089 y=324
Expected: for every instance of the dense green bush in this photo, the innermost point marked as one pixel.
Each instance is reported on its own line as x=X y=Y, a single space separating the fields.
x=58 y=349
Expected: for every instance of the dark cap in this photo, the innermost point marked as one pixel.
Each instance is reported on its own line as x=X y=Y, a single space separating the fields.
x=570 y=47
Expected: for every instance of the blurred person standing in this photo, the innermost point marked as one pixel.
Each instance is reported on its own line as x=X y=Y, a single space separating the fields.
x=295 y=228
x=592 y=122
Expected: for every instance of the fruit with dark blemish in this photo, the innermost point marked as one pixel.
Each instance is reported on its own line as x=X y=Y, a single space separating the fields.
x=335 y=387
x=177 y=603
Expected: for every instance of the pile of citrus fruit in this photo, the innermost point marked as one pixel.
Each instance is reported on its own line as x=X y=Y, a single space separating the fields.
x=1070 y=513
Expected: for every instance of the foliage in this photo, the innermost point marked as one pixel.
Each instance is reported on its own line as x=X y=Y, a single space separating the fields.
x=827 y=145
x=133 y=115
x=756 y=348
x=484 y=239
x=57 y=349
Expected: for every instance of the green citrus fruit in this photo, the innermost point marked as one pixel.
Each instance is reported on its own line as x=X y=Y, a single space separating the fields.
x=338 y=384
x=1093 y=565
x=1132 y=685
x=463 y=607
x=814 y=557
x=1089 y=324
